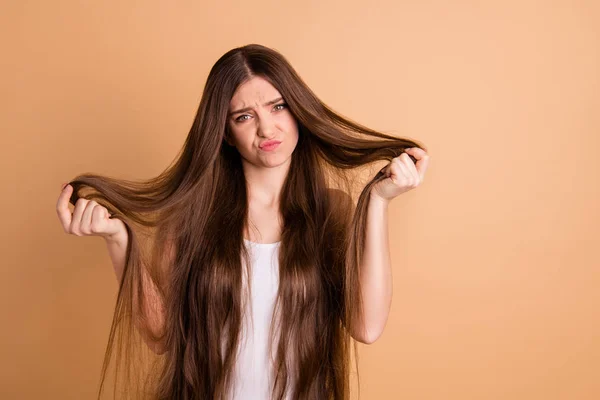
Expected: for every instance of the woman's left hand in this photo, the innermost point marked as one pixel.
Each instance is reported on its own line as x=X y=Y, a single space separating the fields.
x=402 y=174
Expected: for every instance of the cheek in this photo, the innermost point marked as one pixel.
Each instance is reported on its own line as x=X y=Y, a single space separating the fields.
x=240 y=137
x=291 y=126
x=294 y=132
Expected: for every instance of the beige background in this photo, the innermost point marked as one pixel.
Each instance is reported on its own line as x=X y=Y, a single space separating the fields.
x=495 y=256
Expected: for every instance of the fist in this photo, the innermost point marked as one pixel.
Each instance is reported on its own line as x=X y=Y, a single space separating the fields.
x=402 y=174
x=88 y=218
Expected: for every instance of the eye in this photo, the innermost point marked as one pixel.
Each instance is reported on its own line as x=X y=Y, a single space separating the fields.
x=239 y=119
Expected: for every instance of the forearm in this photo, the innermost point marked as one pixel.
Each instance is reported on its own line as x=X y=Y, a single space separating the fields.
x=117 y=250
x=376 y=271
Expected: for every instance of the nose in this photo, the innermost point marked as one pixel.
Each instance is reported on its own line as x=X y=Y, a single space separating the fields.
x=266 y=126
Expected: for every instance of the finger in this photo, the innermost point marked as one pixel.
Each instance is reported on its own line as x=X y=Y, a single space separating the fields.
x=422 y=165
x=396 y=174
x=62 y=207
x=80 y=205
x=402 y=173
x=411 y=166
x=99 y=216
x=416 y=152
x=422 y=160
x=86 y=218
x=386 y=170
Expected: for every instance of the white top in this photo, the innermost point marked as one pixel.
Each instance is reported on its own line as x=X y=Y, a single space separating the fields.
x=253 y=376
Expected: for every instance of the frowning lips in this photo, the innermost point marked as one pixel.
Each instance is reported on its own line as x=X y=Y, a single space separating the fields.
x=268 y=142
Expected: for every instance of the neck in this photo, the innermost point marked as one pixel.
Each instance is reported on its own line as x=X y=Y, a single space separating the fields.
x=264 y=184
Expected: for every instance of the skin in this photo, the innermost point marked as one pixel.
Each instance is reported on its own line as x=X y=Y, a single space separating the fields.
x=88 y=217
x=402 y=175
x=265 y=171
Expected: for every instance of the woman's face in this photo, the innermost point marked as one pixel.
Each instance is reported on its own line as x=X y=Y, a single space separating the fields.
x=257 y=115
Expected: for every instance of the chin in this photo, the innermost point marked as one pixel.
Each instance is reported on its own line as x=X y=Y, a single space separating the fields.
x=272 y=162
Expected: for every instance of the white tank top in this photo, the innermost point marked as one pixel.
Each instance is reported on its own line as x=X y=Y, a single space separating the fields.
x=253 y=375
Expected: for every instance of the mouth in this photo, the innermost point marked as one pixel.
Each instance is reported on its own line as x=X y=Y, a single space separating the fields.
x=269 y=145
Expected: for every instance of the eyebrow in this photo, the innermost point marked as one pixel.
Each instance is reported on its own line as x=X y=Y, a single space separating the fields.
x=250 y=108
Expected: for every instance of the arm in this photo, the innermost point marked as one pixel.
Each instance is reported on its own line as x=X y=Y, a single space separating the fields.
x=375 y=267
x=376 y=273
x=402 y=175
x=153 y=307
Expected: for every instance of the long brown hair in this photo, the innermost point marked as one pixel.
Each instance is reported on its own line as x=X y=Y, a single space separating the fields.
x=181 y=289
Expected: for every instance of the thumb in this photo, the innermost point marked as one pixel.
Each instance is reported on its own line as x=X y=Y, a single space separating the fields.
x=113 y=224
x=386 y=170
x=116 y=226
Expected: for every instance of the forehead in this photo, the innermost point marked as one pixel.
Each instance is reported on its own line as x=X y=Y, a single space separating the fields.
x=254 y=91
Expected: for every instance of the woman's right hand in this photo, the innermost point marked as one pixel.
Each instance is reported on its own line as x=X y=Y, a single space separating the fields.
x=88 y=218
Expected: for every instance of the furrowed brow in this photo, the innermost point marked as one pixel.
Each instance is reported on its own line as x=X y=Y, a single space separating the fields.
x=241 y=110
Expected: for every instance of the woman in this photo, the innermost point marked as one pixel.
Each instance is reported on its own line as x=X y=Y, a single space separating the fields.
x=260 y=272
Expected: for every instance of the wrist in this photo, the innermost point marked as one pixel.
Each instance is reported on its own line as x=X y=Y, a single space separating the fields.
x=378 y=199
x=119 y=237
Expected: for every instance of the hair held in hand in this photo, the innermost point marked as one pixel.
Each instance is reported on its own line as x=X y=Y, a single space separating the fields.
x=181 y=290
